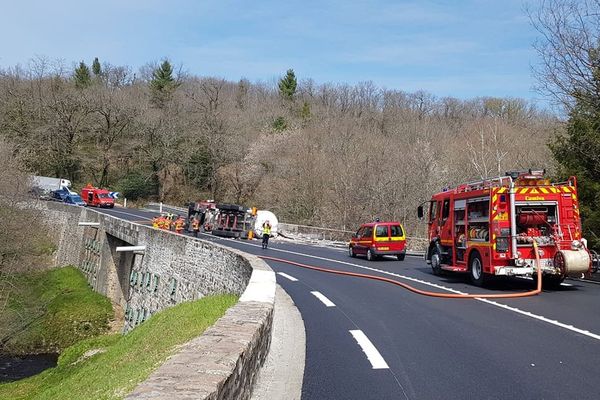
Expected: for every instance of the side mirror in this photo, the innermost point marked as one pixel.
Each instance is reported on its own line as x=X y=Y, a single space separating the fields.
x=420 y=212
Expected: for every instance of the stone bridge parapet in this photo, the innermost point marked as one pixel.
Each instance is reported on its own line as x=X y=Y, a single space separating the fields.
x=224 y=362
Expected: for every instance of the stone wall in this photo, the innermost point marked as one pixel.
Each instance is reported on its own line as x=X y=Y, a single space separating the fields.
x=224 y=362
x=221 y=364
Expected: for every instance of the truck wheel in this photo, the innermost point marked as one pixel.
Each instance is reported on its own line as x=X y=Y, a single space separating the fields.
x=552 y=281
x=436 y=260
x=351 y=251
x=370 y=255
x=476 y=270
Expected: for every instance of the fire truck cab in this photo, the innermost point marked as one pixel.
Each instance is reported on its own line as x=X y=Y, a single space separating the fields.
x=488 y=228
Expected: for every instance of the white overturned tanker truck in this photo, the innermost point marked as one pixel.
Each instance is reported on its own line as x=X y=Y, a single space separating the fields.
x=230 y=220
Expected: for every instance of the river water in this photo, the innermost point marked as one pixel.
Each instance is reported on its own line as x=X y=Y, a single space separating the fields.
x=13 y=368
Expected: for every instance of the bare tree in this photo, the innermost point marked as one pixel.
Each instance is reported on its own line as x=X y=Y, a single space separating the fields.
x=23 y=239
x=569 y=50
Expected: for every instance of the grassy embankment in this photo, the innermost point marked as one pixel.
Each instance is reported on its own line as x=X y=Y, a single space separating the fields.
x=50 y=310
x=110 y=366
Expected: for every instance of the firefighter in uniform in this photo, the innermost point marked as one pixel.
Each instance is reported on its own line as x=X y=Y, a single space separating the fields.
x=202 y=218
x=164 y=223
x=179 y=224
x=196 y=226
x=266 y=230
x=155 y=222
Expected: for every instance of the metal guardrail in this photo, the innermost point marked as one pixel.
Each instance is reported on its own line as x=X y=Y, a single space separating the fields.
x=161 y=207
x=335 y=237
x=340 y=237
x=307 y=232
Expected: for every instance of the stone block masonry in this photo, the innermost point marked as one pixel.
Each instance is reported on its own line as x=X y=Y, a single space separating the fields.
x=222 y=363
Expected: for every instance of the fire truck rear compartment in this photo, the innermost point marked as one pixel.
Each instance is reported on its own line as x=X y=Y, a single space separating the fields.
x=541 y=223
x=536 y=222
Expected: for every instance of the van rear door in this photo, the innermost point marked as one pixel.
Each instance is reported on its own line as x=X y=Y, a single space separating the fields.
x=397 y=237
x=382 y=237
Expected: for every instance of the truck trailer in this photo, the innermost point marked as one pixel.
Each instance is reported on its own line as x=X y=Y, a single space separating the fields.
x=44 y=184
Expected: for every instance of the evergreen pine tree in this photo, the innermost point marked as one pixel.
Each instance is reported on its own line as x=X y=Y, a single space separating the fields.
x=162 y=84
x=96 y=68
x=242 y=93
x=305 y=112
x=82 y=76
x=287 y=85
x=577 y=152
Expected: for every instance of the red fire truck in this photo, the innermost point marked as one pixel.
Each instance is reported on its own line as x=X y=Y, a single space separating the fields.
x=488 y=228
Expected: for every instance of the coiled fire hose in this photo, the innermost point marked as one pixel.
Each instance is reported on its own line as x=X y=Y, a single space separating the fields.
x=413 y=289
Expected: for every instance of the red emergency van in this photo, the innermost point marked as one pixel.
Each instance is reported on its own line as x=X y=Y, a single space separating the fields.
x=96 y=197
x=377 y=239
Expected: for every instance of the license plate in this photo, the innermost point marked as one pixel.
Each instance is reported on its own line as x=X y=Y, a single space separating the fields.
x=544 y=263
x=383 y=248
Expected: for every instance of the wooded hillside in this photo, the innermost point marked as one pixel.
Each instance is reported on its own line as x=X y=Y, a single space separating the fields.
x=324 y=154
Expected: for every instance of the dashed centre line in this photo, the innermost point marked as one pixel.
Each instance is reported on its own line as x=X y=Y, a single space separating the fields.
x=324 y=300
x=291 y=278
x=373 y=355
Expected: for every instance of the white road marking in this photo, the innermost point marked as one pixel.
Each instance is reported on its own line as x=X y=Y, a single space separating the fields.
x=369 y=349
x=126 y=213
x=542 y=318
x=408 y=278
x=441 y=287
x=324 y=300
x=291 y=278
x=565 y=284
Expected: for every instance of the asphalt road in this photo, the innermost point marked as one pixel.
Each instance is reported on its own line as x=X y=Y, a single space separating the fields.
x=416 y=347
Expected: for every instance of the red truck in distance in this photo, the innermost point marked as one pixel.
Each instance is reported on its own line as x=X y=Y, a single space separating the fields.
x=96 y=197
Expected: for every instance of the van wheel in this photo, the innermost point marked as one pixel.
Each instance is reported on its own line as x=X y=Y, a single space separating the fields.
x=351 y=251
x=401 y=257
x=436 y=260
x=476 y=270
x=370 y=255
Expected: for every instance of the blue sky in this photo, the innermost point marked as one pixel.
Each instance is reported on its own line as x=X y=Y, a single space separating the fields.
x=449 y=48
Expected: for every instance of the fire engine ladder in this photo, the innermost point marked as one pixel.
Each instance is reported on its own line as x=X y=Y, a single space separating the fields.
x=484 y=184
x=563 y=234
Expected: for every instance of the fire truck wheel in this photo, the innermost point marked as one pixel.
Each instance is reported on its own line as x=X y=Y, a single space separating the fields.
x=351 y=251
x=436 y=260
x=370 y=255
x=551 y=282
x=476 y=269
x=595 y=261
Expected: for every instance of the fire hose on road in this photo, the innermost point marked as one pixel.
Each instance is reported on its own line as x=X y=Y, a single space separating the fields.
x=413 y=289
